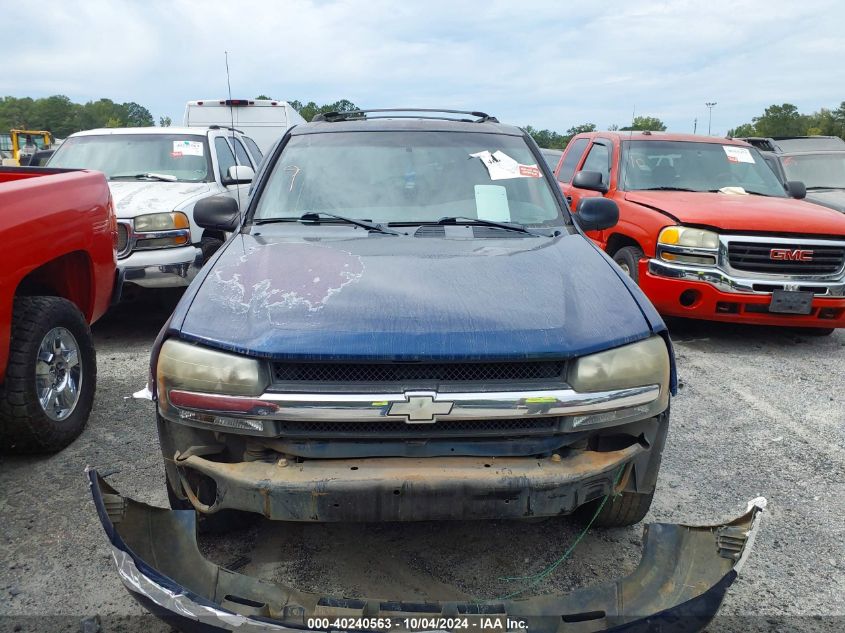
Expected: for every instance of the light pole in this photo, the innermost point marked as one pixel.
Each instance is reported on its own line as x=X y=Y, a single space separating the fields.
x=709 y=105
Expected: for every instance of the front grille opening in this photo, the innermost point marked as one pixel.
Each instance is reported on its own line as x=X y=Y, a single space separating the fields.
x=727 y=307
x=402 y=372
x=772 y=287
x=122 y=239
x=442 y=428
x=781 y=259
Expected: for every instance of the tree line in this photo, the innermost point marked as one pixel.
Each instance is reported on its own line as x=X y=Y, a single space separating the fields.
x=61 y=116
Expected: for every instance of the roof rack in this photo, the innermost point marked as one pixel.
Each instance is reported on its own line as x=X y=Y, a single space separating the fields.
x=352 y=115
x=223 y=127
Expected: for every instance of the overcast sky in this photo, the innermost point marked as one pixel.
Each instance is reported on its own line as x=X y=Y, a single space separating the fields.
x=547 y=64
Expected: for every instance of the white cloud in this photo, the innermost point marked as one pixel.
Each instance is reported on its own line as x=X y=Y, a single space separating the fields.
x=543 y=63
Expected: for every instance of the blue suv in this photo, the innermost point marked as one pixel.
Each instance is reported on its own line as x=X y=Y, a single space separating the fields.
x=408 y=323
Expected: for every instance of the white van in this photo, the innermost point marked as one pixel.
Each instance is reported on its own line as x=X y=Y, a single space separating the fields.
x=263 y=120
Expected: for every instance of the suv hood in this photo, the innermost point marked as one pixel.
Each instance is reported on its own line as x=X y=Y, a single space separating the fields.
x=134 y=198
x=833 y=198
x=743 y=213
x=406 y=297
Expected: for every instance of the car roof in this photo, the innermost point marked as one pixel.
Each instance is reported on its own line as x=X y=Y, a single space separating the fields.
x=662 y=136
x=410 y=124
x=797 y=144
x=144 y=130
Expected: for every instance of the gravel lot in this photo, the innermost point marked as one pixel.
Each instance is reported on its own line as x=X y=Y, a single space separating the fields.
x=761 y=412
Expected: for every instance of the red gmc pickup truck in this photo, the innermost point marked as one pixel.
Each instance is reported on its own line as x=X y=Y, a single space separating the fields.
x=707 y=230
x=57 y=270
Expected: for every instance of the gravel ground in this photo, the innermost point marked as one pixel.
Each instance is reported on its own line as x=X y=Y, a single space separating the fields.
x=761 y=412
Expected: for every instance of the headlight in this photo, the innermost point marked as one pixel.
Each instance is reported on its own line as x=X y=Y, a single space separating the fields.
x=161 y=222
x=635 y=365
x=688 y=237
x=192 y=368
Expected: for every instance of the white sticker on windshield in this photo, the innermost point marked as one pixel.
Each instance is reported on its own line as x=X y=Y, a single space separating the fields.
x=187 y=148
x=491 y=203
x=738 y=154
x=500 y=166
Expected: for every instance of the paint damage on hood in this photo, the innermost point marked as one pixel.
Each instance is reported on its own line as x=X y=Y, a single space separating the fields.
x=132 y=199
x=679 y=585
x=284 y=295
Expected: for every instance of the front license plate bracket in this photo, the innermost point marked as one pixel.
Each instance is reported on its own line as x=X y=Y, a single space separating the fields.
x=791 y=302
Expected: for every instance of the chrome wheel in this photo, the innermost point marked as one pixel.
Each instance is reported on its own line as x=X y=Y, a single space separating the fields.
x=58 y=374
x=624 y=268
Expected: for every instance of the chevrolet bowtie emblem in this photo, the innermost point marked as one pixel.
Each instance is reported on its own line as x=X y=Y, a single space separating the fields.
x=420 y=407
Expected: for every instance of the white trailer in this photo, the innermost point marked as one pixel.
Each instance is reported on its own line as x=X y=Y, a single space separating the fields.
x=263 y=120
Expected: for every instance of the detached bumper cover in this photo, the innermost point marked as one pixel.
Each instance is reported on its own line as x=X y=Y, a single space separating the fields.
x=678 y=586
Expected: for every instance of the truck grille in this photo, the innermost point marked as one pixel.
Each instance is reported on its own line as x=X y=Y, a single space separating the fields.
x=442 y=428
x=122 y=239
x=757 y=257
x=404 y=372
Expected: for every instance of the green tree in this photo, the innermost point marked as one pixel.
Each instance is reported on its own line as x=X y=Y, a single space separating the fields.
x=650 y=123
x=580 y=129
x=309 y=110
x=780 y=120
x=744 y=130
x=136 y=115
x=263 y=98
x=547 y=138
x=164 y=121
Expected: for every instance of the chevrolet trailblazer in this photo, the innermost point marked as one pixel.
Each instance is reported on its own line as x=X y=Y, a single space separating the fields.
x=407 y=324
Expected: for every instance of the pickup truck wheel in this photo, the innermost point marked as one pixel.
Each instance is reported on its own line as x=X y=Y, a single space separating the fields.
x=50 y=378
x=628 y=258
x=221 y=522
x=621 y=510
x=817 y=331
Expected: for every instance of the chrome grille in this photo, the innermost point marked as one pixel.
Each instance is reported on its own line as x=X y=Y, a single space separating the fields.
x=403 y=372
x=757 y=257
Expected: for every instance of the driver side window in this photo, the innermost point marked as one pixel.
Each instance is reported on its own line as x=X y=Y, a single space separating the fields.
x=225 y=158
x=598 y=159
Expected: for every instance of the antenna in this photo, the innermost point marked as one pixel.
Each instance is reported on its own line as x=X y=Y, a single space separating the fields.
x=232 y=118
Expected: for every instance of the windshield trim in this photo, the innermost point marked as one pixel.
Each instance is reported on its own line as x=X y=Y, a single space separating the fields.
x=564 y=218
x=209 y=175
x=625 y=148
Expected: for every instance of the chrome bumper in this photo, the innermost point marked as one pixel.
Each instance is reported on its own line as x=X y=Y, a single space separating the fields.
x=162 y=268
x=583 y=410
x=735 y=284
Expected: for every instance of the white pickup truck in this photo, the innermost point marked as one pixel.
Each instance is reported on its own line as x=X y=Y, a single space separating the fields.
x=156 y=176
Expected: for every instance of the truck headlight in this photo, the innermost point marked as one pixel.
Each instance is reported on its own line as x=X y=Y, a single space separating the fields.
x=635 y=365
x=161 y=222
x=687 y=245
x=188 y=367
x=688 y=237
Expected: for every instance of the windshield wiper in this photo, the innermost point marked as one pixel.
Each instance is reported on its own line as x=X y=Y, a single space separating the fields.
x=825 y=187
x=461 y=219
x=675 y=189
x=314 y=217
x=148 y=176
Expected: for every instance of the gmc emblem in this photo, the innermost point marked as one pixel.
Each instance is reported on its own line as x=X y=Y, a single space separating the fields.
x=790 y=254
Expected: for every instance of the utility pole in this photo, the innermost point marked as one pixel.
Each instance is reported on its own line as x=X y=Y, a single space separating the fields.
x=709 y=105
x=694 y=125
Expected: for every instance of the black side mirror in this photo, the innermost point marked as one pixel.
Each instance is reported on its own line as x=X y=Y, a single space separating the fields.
x=591 y=180
x=796 y=189
x=596 y=214
x=219 y=213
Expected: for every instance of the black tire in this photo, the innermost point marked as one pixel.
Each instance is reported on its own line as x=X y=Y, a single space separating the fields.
x=25 y=426
x=817 y=331
x=209 y=245
x=621 y=510
x=628 y=258
x=221 y=522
